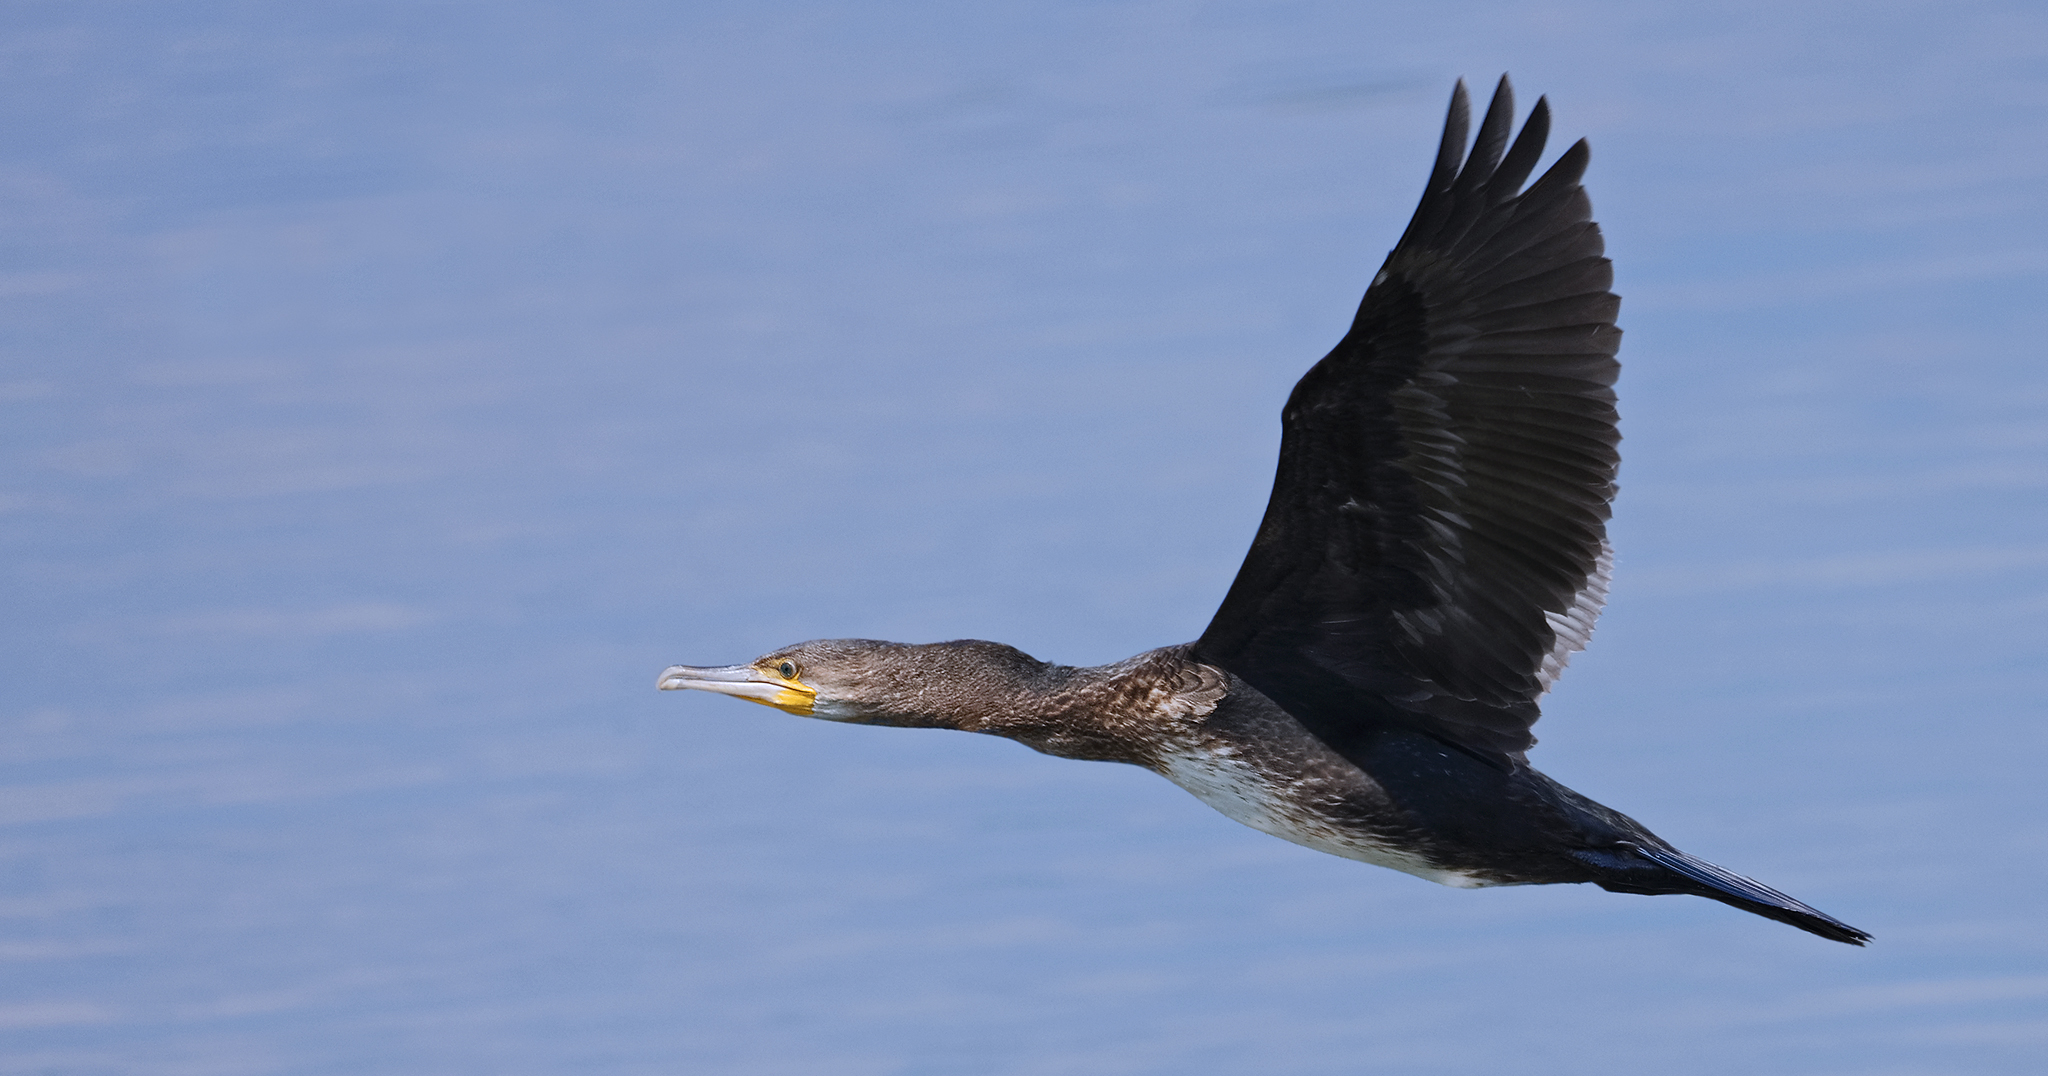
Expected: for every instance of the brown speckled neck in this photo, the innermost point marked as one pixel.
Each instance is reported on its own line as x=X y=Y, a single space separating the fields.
x=1125 y=712
x=1122 y=712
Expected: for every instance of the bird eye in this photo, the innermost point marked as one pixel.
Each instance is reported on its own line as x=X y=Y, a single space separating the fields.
x=787 y=669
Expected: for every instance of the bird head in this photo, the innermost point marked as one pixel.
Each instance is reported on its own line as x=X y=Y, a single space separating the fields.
x=866 y=681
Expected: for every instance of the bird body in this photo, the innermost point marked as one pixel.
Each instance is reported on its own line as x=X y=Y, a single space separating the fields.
x=1433 y=552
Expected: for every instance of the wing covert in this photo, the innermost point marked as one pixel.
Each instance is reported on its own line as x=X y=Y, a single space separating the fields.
x=1435 y=545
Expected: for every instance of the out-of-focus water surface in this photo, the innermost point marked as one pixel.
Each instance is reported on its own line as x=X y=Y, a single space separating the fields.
x=390 y=390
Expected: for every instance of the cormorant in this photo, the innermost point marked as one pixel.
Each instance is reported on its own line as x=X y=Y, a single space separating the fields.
x=1434 y=551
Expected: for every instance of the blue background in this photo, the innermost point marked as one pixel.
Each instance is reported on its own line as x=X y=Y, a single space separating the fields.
x=389 y=391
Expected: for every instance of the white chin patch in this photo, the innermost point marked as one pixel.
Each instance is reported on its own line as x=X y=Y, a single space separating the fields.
x=833 y=710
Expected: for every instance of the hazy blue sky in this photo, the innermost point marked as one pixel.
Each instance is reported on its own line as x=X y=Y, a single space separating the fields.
x=391 y=390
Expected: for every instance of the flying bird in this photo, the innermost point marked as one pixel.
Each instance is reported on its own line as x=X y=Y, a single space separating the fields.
x=1434 y=551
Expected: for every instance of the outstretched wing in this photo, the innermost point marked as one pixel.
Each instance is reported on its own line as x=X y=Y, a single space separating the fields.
x=1435 y=547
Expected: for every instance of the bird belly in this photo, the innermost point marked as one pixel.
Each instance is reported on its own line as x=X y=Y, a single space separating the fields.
x=1286 y=808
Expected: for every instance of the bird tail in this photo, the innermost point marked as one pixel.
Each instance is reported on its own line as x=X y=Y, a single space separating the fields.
x=1715 y=883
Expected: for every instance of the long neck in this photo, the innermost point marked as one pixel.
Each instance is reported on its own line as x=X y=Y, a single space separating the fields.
x=1110 y=713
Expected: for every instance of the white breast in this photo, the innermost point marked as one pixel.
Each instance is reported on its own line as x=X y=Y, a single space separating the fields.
x=1245 y=793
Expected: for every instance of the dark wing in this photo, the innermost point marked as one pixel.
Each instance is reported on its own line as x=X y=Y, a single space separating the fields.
x=1435 y=547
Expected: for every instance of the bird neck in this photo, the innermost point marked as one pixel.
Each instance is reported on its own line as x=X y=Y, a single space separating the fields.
x=1110 y=713
x=972 y=686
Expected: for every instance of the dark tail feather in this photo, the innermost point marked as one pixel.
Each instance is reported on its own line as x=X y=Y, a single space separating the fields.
x=1728 y=887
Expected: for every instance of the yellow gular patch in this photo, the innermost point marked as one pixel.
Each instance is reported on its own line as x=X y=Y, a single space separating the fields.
x=795 y=697
x=795 y=702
